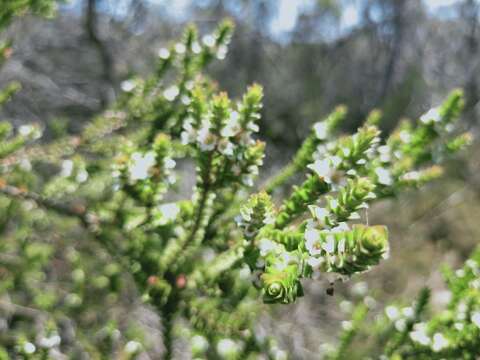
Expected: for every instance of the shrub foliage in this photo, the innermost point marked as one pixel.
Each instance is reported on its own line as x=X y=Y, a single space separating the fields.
x=205 y=259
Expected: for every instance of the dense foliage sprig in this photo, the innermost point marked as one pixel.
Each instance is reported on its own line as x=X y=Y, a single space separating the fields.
x=416 y=331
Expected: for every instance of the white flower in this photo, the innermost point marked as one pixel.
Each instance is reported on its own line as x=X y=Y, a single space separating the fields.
x=206 y=139
x=252 y=126
x=189 y=134
x=384 y=152
x=132 y=347
x=222 y=52
x=171 y=93
x=196 y=48
x=169 y=211
x=440 y=342
x=341 y=227
x=169 y=163
x=405 y=136
x=419 y=334
x=199 y=343
x=329 y=245
x=227 y=347
x=232 y=127
x=226 y=147
x=321 y=130
x=476 y=318
x=384 y=176
x=400 y=324
x=50 y=342
x=267 y=246
x=141 y=165
x=180 y=48
x=319 y=214
x=323 y=169
x=25 y=130
x=128 y=85
x=29 y=348
x=392 y=312
x=431 y=116
x=163 y=53
x=408 y=312
x=208 y=40
x=347 y=325
x=284 y=260
x=82 y=176
x=67 y=168
x=313 y=241
x=247 y=180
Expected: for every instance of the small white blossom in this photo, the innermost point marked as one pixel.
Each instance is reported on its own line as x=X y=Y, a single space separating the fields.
x=141 y=164
x=169 y=211
x=384 y=152
x=431 y=116
x=227 y=347
x=284 y=260
x=67 y=168
x=25 y=130
x=405 y=136
x=313 y=241
x=267 y=246
x=222 y=52
x=50 y=342
x=132 y=347
x=419 y=334
x=408 y=312
x=185 y=100
x=321 y=130
x=384 y=176
x=189 y=133
x=171 y=93
x=329 y=245
x=208 y=40
x=128 y=85
x=392 y=312
x=29 y=348
x=206 y=139
x=196 y=48
x=232 y=127
x=247 y=180
x=400 y=324
x=163 y=53
x=180 y=48
x=440 y=342
x=82 y=176
x=323 y=169
x=199 y=343
x=226 y=147
x=476 y=318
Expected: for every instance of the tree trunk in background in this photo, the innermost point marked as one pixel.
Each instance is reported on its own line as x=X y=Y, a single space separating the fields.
x=91 y=25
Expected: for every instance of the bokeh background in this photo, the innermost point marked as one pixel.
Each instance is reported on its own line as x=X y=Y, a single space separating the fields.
x=400 y=56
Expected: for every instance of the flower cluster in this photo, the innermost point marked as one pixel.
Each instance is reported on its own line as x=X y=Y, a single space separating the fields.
x=346 y=174
x=451 y=333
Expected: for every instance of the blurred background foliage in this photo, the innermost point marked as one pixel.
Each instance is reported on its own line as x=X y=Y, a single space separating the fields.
x=401 y=57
